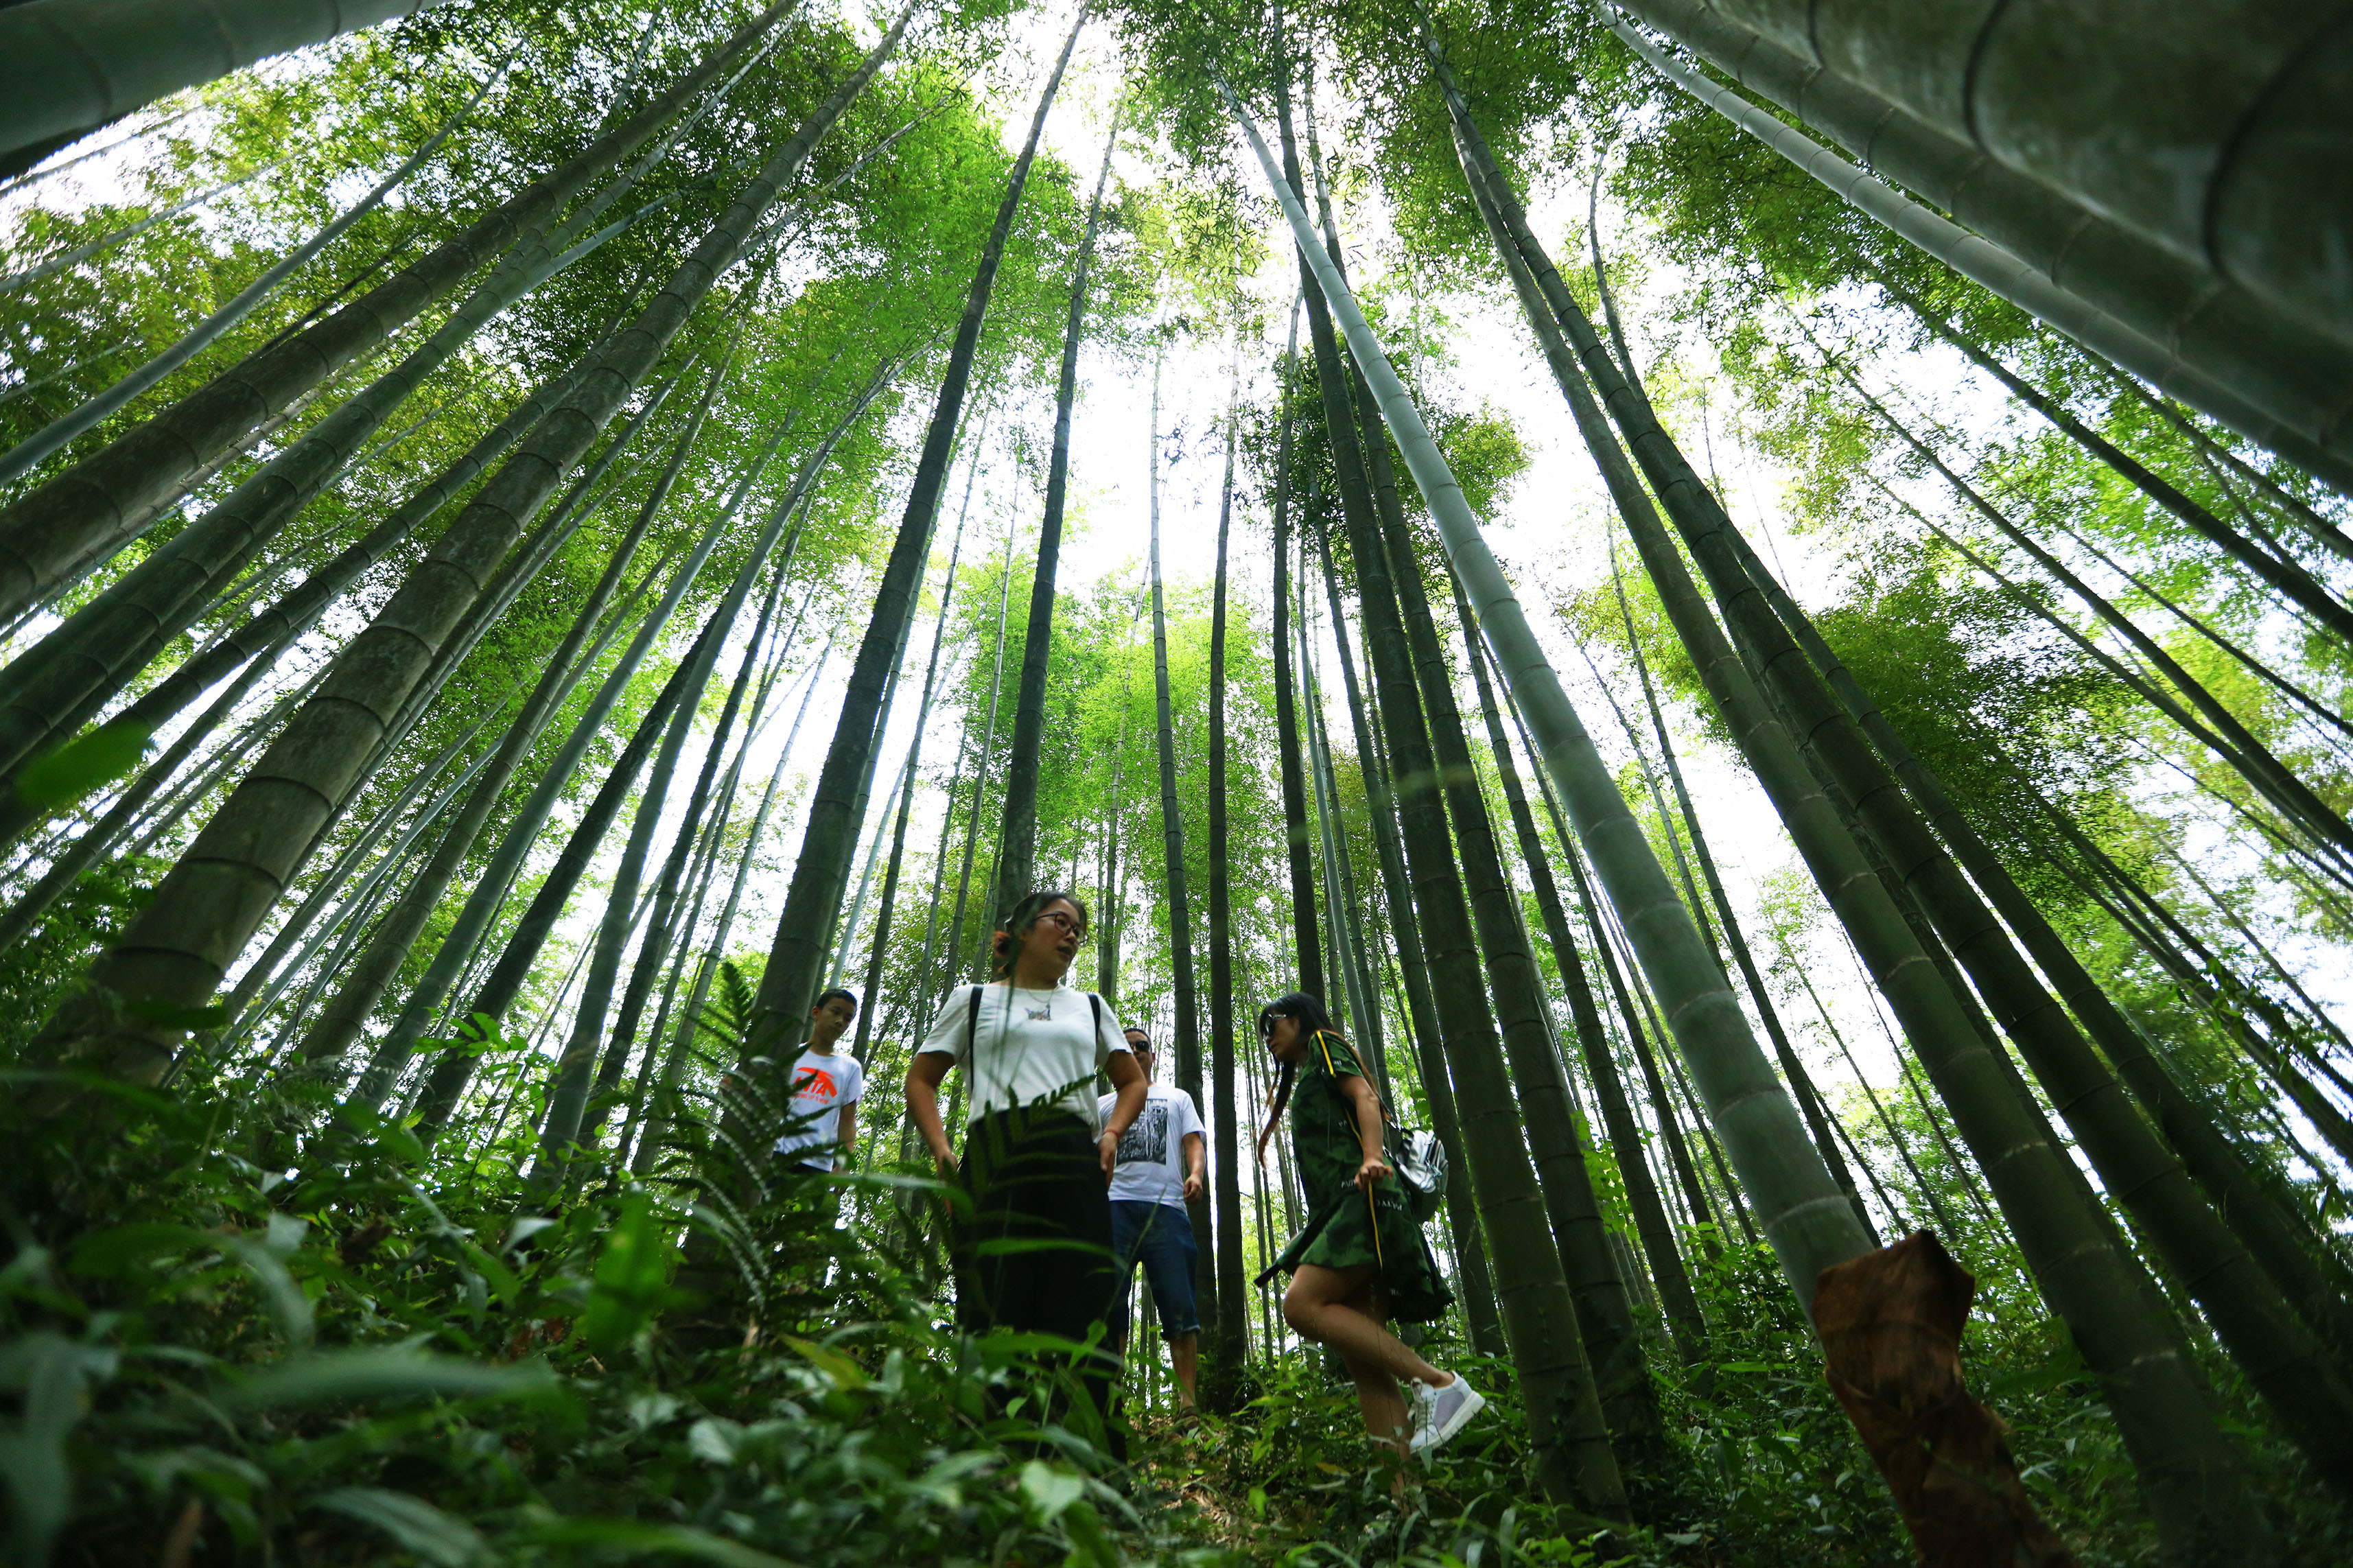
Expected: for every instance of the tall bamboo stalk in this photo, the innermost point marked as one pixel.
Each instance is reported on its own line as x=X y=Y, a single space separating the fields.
x=872 y=1000
x=1793 y=1071
x=1421 y=1027
x=1682 y=1306
x=1572 y=1456
x=1228 y=1330
x=49 y=526
x=1188 y=1030
x=2086 y=1275
x=788 y=985
x=1016 y=866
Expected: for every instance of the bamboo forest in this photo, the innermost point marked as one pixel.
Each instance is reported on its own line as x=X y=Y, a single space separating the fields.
x=1457 y=782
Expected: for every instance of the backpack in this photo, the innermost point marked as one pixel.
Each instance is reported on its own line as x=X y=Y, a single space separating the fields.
x=1415 y=1154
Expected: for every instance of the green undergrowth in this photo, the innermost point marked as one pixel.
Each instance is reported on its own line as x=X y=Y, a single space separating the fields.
x=391 y=1360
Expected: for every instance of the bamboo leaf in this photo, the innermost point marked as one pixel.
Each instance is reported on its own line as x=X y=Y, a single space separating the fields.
x=412 y=1521
x=632 y=1538
x=81 y=765
x=630 y=1283
x=345 y=1376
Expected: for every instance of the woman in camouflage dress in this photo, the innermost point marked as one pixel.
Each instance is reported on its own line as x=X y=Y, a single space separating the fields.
x=1361 y=1260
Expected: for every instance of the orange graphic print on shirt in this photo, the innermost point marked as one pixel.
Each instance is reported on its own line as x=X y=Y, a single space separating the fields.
x=813 y=1083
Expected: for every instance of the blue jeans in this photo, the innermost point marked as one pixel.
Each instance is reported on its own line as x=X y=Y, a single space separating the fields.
x=1160 y=1237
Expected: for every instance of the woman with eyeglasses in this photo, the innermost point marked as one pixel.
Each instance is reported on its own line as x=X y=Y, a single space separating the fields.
x=1037 y=1160
x=1361 y=1260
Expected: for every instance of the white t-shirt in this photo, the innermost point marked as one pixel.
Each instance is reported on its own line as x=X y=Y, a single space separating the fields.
x=823 y=1082
x=1151 y=1168
x=1033 y=1047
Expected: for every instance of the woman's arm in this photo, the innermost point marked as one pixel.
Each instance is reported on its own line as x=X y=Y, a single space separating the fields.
x=1365 y=1107
x=924 y=1076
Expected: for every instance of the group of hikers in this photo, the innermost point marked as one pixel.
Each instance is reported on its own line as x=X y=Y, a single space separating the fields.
x=1076 y=1190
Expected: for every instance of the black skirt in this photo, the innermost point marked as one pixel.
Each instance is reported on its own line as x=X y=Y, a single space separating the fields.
x=1036 y=1254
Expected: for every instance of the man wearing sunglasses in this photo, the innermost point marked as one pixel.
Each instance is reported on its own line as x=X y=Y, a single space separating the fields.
x=1162 y=1161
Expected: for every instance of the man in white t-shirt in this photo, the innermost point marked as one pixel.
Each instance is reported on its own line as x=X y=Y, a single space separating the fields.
x=1162 y=1161
x=826 y=1089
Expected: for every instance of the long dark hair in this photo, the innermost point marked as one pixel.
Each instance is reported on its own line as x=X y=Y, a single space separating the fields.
x=1006 y=945
x=1312 y=1021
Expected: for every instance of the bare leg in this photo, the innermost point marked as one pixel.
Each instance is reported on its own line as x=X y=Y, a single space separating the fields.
x=1347 y=1310
x=1185 y=1352
x=1316 y=1306
x=1377 y=1394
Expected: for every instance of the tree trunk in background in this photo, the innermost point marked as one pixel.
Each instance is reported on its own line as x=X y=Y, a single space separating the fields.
x=1471 y=1244
x=788 y=985
x=955 y=974
x=1304 y=942
x=1654 y=1087
x=1229 y=1333
x=1181 y=919
x=2192 y=1474
x=47 y=528
x=1348 y=939
x=498 y=989
x=206 y=909
x=842 y=932
x=1017 y=864
x=872 y=999
x=1802 y=1086
x=1110 y=893
x=1571 y=1452
x=1650 y=1217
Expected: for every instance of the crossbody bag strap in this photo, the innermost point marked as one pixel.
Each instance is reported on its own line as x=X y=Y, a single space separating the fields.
x=972 y=1045
x=1332 y=1076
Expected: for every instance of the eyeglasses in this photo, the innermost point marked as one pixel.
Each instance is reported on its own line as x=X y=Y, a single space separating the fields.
x=1068 y=922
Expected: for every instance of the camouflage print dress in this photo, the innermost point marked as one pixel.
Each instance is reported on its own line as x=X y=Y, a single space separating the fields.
x=1374 y=1228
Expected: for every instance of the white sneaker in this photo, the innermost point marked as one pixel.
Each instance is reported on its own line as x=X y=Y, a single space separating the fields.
x=1440 y=1413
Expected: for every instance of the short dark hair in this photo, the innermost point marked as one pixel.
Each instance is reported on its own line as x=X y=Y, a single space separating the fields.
x=1146 y=1043
x=825 y=997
